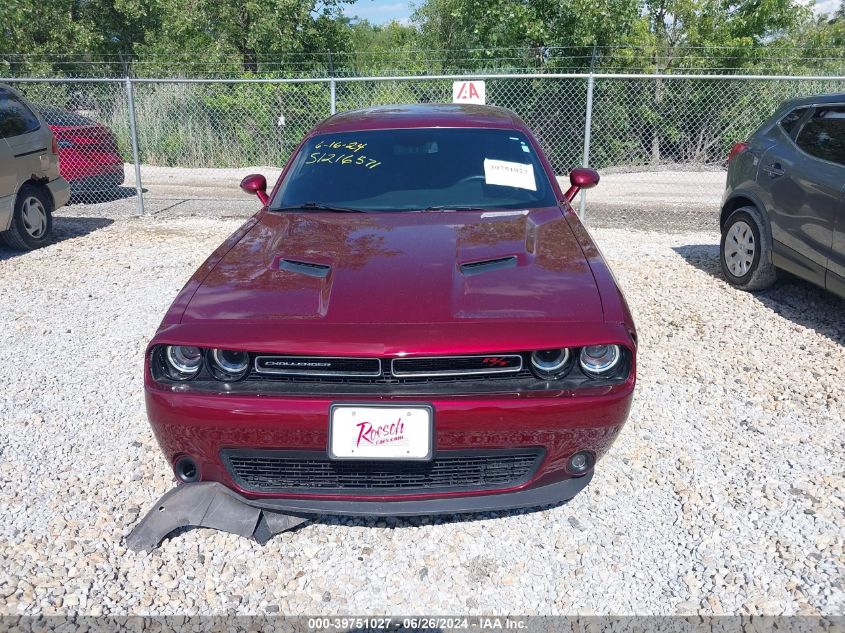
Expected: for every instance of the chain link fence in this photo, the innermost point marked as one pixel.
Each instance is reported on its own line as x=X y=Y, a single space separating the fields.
x=659 y=141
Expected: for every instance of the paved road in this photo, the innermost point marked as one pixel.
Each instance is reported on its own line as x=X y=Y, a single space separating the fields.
x=664 y=200
x=669 y=201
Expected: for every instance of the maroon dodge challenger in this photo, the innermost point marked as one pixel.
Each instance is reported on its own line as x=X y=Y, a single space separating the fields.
x=415 y=322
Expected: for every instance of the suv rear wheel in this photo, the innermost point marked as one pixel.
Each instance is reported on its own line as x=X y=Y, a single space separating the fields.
x=744 y=252
x=32 y=221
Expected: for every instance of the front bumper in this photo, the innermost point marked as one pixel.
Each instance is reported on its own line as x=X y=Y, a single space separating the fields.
x=206 y=425
x=212 y=505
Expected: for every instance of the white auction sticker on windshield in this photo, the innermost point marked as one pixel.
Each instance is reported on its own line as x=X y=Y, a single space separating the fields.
x=508 y=174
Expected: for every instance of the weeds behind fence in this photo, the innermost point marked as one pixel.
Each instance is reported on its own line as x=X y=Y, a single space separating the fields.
x=635 y=122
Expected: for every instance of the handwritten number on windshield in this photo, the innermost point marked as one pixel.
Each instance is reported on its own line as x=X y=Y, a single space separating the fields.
x=342 y=159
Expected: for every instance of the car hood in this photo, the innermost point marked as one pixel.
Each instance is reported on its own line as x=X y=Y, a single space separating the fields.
x=402 y=268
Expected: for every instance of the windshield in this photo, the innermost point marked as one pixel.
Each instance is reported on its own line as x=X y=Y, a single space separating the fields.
x=417 y=169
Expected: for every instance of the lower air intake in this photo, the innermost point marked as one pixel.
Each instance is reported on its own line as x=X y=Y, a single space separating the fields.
x=450 y=471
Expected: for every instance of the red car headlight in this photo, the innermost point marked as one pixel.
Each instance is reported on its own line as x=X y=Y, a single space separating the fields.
x=551 y=364
x=229 y=364
x=183 y=361
x=598 y=361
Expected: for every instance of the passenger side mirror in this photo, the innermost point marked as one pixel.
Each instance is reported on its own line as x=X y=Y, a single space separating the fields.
x=256 y=184
x=581 y=178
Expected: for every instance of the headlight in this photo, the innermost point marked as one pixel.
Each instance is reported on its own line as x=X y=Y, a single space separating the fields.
x=183 y=361
x=229 y=364
x=551 y=363
x=599 y=360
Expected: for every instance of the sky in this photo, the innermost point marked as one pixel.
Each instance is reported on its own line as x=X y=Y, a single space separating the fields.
x=826 y=6
x=379 y=11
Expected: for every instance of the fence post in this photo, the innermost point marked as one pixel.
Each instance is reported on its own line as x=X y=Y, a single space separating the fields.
x=332 y=85
x=133 y=131
x=588 y=124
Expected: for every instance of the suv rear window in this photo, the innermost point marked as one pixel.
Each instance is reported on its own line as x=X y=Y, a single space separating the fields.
x=15 y=117
x=416 y=169
x=823 y=136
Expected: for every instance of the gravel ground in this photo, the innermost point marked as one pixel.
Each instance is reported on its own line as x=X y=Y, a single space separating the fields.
x=724 y=494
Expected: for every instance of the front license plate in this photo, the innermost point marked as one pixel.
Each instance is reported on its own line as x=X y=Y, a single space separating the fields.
x=381 y=432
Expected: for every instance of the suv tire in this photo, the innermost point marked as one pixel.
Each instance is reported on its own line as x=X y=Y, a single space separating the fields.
x=745 y=251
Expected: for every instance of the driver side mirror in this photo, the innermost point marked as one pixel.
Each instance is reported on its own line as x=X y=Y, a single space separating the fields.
x=581 y=178
x=256 y=184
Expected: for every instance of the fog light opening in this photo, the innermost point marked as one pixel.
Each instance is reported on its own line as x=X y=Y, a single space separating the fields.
x=186 y=470
x=580 y=462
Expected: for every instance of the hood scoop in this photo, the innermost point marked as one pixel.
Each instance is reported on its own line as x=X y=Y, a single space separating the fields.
x=486 y=265
x=311 y=269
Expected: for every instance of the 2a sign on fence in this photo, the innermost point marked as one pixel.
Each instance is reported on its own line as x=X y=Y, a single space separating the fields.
x=468 y=92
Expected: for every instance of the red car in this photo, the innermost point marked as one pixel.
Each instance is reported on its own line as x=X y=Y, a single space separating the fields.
x=414 y=323
x=89 y=158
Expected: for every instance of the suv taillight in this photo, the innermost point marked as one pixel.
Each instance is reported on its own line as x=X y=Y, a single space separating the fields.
x=737 y=149
x=54 y=147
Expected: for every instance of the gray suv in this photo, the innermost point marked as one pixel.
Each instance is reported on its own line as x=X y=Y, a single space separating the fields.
x=30 y=185
x=784 y=205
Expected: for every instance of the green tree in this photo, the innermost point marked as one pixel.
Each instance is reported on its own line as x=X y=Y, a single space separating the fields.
x=65 y=36
x=250 y=36
x=475 y=33
x=816 y=46
x=694 y=34
x=390 y=48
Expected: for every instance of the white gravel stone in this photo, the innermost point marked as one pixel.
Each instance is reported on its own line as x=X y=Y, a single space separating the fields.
x=725 y=493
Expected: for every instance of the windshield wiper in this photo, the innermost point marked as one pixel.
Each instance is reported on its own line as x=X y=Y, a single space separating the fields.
x=449 y=207
x=317 y=206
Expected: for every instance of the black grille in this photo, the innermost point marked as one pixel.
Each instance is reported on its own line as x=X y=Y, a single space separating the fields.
x=457 y=365
x=303 y=472
x=372 y=376
x=410 y=370
x=317 y=366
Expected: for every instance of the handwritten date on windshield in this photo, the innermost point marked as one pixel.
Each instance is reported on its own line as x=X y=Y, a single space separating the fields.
x=352 y=146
